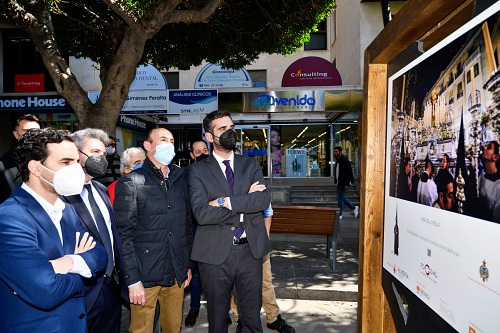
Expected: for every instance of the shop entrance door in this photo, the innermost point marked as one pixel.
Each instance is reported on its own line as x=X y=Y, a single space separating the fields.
x=254 y=142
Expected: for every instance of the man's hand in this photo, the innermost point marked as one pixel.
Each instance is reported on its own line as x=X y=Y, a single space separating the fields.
x=62 y=265
x=85 y=244
x=188 y=280
x=137 y=294
x=257 y=187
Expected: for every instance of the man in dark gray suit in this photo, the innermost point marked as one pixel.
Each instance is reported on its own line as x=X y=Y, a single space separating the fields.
x=228 y=196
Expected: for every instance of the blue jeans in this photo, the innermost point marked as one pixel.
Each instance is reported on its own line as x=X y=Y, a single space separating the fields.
x=341 y=198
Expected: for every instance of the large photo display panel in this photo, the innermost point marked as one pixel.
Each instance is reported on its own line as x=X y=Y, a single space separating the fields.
x=442 y=194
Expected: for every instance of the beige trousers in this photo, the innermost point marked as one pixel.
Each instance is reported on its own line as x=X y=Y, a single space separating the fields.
x=170 y=299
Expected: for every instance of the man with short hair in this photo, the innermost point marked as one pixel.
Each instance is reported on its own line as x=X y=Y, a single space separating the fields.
x=9 y=177
x=228 y=194
x=153 y=215
x=42 y=254
x=427 y=190
x=489 y=182
x=199 y=150
x=131 y=159
x=446 y=193
x=106 y=293
x=343 y=178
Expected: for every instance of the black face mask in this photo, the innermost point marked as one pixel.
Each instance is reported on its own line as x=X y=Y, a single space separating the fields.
x=228 y=139
x=201 y=157
x=95 y=165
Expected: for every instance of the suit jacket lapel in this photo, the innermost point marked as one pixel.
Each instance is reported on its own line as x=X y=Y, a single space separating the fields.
x=83 y=213
x=39 y=215
x=239 y=166
x=69 y=238
x=219 y=175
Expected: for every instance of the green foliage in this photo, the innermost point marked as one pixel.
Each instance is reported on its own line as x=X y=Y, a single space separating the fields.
x=235 y=35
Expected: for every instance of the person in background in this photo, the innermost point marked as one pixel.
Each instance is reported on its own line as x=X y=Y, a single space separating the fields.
x=153 y=215
x=446 y=192
x=106 y=293
x=228 y=194
x=269 y=303
x=199 y=152
x=9 y=177
x=427 y=189
x=344 y=178
x=131 y=159
x=276 y=150
x=45 y=253
x=489 y=182
x=113 y=170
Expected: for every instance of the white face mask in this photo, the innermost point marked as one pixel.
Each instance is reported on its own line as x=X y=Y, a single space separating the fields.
x=165 y=152
x=68 y=180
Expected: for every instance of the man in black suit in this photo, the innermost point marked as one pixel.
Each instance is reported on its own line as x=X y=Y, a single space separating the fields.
x=228 y=196
x=104 y=295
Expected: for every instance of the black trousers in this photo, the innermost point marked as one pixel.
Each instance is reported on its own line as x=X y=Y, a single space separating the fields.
x=105 y=315
x=243 y=272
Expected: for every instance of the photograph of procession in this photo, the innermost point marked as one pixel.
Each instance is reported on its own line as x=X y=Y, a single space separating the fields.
x=445 y=127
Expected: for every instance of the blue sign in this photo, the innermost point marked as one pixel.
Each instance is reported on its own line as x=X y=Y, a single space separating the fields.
x=192 y=101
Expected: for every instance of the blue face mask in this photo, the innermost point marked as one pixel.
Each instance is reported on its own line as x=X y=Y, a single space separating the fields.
x=135 y=167
x=165 y=152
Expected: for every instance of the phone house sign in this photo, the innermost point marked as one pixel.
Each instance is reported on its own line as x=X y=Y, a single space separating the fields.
x=46 y=102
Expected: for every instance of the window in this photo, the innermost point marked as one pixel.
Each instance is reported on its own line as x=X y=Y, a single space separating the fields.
x=476 y=70
x=318 y=38
x=259 y=78
x=172 y=79
x=460 y=90
x=468 y=76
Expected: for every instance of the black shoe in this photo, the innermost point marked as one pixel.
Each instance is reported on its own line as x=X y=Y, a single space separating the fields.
x=238 y=326
x=191 y=318
x=229 y=321
x=281 y=326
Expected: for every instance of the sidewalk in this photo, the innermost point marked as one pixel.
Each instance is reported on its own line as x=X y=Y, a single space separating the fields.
x=312 y=298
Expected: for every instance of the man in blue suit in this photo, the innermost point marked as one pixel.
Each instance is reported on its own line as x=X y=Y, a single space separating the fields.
x=43 y=259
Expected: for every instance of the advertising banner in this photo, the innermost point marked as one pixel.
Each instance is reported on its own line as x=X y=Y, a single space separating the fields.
x=296 y=162
x=284 y=101
x=442 y=195
x=311 y=71
x=214 y=76
x=140 y=101
x=29 y=83
x=192 y=101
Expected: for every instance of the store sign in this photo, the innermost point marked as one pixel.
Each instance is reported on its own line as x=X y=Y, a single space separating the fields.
x=284 y=101
x=311 y=71
x=213 y=76
x=147 y=77
x=41 y=103
x=192 y=101
x=29 y=83
x=131 y=122
x=140 y=101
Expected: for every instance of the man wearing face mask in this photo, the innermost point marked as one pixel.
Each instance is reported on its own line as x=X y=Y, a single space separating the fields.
x=228 y=195
x=131 y=159
x=113 y=171
x=106 y=293
x=9 y=176
x=45 y=253
x=153 y=216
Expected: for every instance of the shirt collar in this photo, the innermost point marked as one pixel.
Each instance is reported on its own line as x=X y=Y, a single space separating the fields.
x=220 y=159
x=48 y=207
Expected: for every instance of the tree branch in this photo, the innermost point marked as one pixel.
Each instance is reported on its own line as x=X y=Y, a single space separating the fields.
x=195 y=16
x=122 y=11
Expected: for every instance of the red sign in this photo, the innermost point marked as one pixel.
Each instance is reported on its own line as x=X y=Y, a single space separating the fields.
x=29 y=83
x=311 y=71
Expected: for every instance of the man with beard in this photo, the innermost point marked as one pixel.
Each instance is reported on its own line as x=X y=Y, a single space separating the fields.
x=228 y=196
x=42 y=254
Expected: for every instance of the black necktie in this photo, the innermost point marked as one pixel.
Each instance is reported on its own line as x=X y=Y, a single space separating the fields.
x=230 y=181
x=103 y=229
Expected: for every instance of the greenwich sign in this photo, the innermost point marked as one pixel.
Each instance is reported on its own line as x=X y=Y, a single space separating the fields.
x=33 y=103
